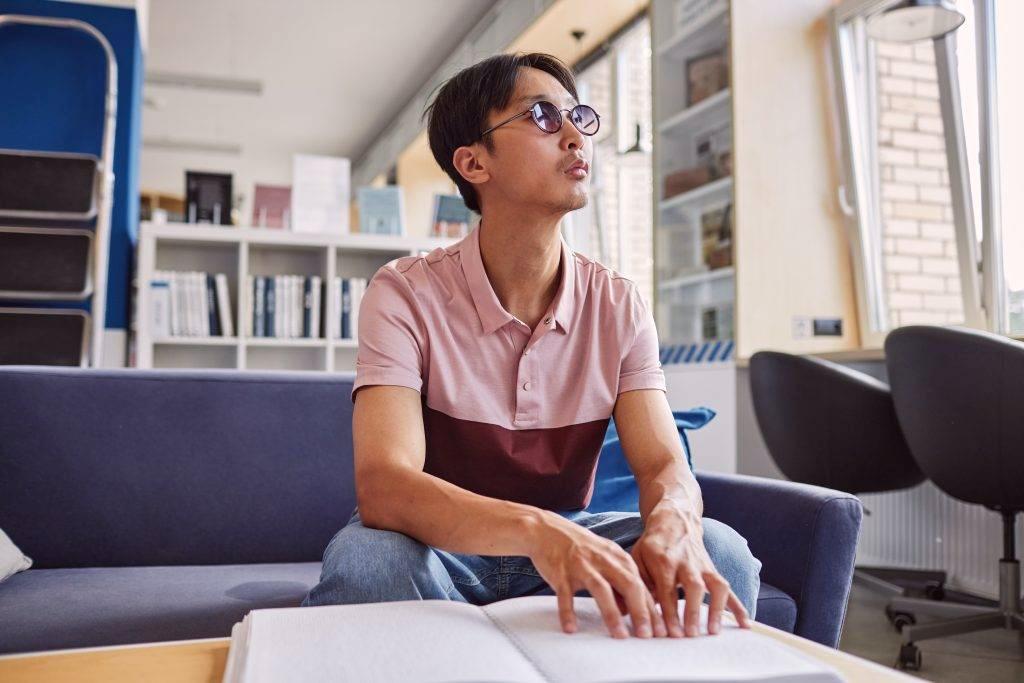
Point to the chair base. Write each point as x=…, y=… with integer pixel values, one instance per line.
x=891, y=581
x=965, y=618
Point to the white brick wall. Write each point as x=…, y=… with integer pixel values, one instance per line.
x=918, y=245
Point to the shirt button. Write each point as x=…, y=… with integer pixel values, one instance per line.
x=547, y=321
x=526, y=386
x=526, y=352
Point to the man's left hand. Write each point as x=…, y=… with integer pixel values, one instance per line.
x=671, y=553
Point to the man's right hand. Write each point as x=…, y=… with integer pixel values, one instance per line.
x=570, y=557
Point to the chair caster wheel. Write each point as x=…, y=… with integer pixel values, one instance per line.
x=899, y=619
x=910, y=658
x=935, y=591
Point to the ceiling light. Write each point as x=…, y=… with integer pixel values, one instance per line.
x=192, y=146
x=180, y=80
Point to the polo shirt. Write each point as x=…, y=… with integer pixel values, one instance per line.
x=509, y=412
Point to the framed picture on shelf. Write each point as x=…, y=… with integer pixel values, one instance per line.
x=451, y=216
x=716, y=237
x=321, y=193
x=709, y=324
x=380, y=210
x=271, y=206
x=716, y=322
x=208, y=197
x=706, y=74
x=714, y=150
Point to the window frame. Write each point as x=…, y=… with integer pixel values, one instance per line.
x=982, y=285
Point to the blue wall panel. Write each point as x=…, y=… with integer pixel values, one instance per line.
x=52, y=87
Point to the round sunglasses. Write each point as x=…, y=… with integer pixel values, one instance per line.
x=548, y=118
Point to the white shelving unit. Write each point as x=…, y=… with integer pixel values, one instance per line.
x=242, y=251
x=686, y=289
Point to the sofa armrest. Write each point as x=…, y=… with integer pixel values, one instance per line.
x=806, y=539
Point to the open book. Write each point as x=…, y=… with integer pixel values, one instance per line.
x=519, y=639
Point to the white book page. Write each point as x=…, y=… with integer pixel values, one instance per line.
x=591, y=655
x=430, y=640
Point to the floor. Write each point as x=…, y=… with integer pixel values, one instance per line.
x=989, y=656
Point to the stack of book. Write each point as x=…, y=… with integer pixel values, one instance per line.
x=348, y=291
x=284, y=306
x=190, y=304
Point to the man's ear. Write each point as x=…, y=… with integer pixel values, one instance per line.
x=470, y=166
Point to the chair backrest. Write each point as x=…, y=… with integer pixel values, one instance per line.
x=829, y=425
x=171, y=467
x=959, y=395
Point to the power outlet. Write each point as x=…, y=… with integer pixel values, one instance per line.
x=802, y=327
x=828, y=327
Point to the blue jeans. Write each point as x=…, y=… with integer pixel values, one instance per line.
x=373, y=565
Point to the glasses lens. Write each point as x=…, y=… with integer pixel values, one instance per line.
x=547, y=116
x=585, y=119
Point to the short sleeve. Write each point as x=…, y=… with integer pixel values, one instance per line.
x=641, y=366
x=391, y=340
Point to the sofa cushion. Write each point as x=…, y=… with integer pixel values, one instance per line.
x=133, y=468
x=46, y=609
x=775, y=608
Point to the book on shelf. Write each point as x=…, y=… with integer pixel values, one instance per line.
x=348, y=292
x=190, y=304
x=256, y=285
x=284, y=306
x=518, y=639
x=270, y=308
x=227, y=325
x=160, y=296
x=380, y=210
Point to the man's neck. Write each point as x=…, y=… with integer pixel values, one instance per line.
x=522, y=259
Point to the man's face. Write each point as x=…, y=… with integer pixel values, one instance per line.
x=530, y=167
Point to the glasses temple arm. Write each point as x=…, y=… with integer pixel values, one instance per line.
x=504, y=122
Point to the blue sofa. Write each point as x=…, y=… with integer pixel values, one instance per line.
x=165, y=504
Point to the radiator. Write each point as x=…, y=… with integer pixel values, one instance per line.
x=923, y=528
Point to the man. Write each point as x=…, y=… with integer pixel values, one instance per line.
x=486, y=375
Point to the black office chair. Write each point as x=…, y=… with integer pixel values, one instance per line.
x=832, y=426
x=959, y=397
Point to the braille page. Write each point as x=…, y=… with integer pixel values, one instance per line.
x=591, y=655
x=429, y=640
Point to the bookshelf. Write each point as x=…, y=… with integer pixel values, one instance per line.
x=785, y=258
x=694, y=300
x=242, y=251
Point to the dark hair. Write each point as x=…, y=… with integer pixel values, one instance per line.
x=458, y=114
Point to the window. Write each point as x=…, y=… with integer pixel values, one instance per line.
x=1008, y=52
x=615, y=227
x=918, y=194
